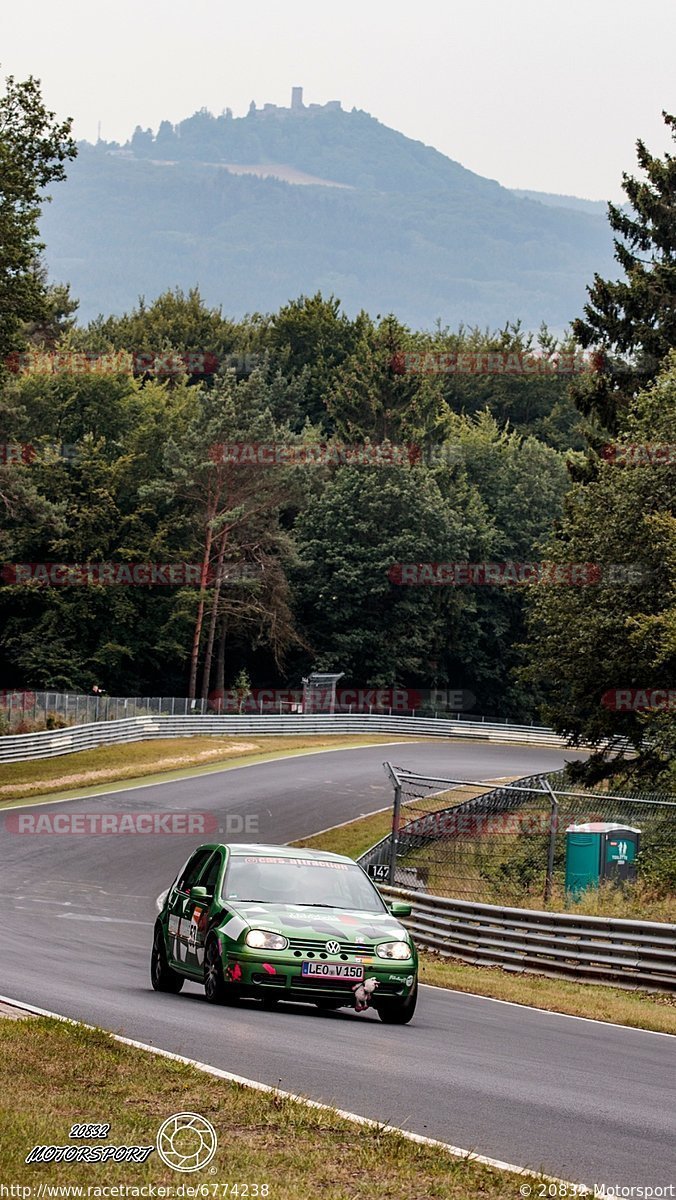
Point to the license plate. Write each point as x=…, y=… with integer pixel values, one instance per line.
x=322, y=970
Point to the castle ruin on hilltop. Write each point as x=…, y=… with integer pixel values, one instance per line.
x=296, y=106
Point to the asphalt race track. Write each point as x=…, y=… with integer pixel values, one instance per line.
x=578, y=1099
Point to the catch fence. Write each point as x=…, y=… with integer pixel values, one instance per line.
x=52, y=709
x=28, y=710
x=506, y=844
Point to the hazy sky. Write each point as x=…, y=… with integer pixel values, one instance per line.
x=532, y=93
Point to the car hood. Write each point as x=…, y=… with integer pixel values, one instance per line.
x=344, y=924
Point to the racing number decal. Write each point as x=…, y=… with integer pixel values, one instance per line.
x=194, y=927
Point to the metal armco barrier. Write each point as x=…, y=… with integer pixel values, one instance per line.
x=51, y=743
x=629, y=954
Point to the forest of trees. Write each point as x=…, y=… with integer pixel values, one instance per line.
x=113, y=438
x=139, y=483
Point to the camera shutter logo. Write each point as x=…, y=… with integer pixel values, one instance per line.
x=186, y=1142
x=333, y=947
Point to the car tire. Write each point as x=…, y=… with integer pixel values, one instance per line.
x=216, y=990
x=399, y=1012
x=162, y=977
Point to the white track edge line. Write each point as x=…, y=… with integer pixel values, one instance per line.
x=419, y=740
x=549, y=1012
x=355, y=1118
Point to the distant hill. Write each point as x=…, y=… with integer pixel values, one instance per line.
x=597, y=207
x=262, y=208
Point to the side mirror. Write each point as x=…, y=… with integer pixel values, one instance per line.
x=400, y=909
x=199, y=894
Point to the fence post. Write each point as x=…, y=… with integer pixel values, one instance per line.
x=553, y=827
x=394, y=838
x=396, y=816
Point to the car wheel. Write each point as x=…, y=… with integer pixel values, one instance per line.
x=162, y=977
x=399, y=1012
x=215, y=987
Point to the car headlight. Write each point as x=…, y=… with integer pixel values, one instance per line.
x=393, y=950
x=262, y=939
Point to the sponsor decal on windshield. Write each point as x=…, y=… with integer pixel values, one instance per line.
x=299, y=862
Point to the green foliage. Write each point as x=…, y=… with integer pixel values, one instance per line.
x=621, y=634
x=144, y=486
x=521, y=869
x=310, y=340
x=633, y=320
x=241, y=686
x=175, y=321
x=34, y=147
x=363, y=522
x=656, y=862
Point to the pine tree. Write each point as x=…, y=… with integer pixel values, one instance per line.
x=33, y=150
x=631, y=323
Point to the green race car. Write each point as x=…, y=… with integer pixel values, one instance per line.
x=284, y=924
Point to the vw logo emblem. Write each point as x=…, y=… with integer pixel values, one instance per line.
x=333, y=947
x=186, y=1142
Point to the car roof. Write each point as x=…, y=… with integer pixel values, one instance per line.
x=238, y=849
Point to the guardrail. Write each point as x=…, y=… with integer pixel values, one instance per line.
x=51, y=743
x=628, y=954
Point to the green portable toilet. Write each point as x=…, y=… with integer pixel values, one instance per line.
x=599, y=850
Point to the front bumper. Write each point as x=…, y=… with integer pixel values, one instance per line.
x=279, y=975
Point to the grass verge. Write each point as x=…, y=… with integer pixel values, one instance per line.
x=89, y=770
x=55, y=1075
x=355, y=837
x=640, y=1009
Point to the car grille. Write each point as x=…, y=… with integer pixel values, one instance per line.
x=318, y=946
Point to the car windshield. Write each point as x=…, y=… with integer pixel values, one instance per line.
x=317, y=883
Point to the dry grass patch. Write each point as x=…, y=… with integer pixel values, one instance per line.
x=134, y=760
x=56, y=1075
